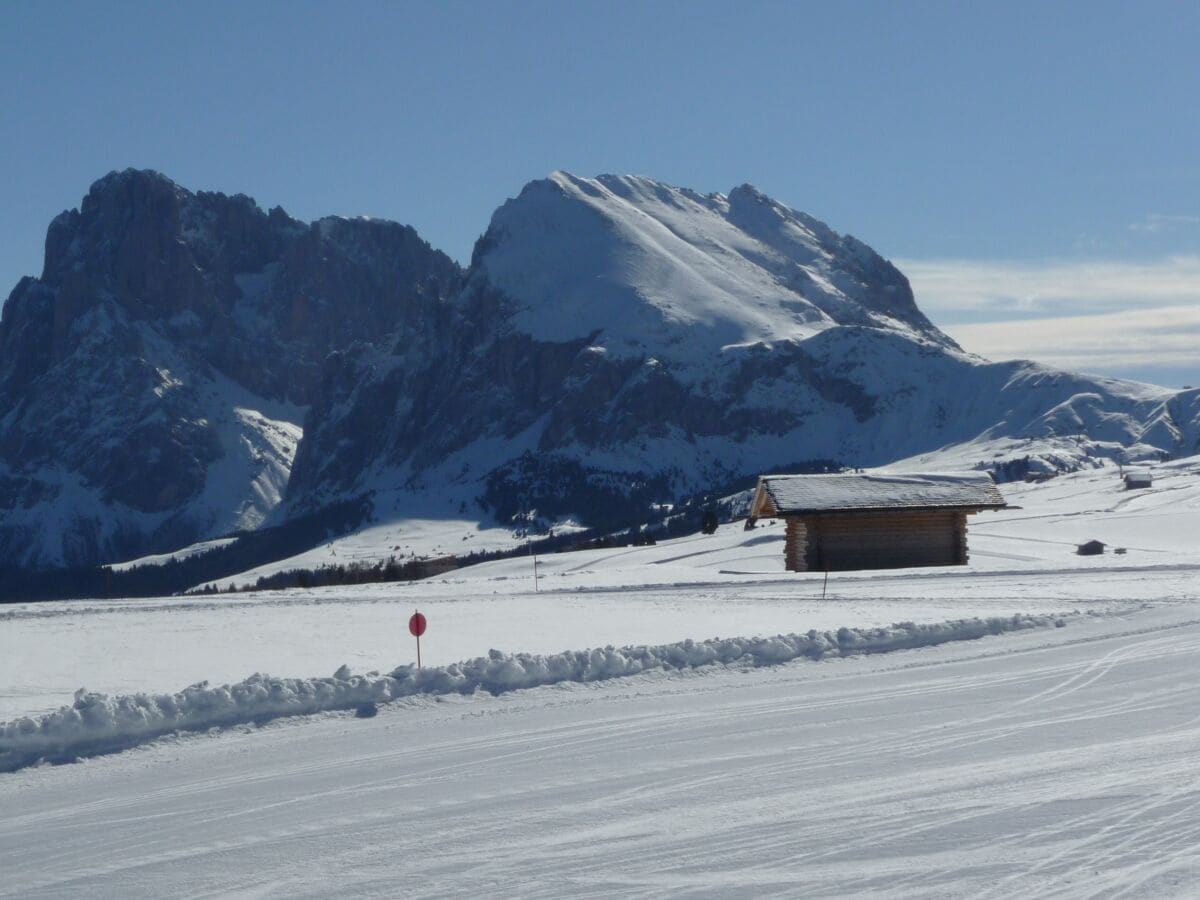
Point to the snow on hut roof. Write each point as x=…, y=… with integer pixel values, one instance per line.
x=879, y=490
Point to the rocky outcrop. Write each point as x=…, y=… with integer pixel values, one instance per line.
x=616, y=344
x=620, y=343
x=154, y=378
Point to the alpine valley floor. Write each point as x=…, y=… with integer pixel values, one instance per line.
x=1049, y=761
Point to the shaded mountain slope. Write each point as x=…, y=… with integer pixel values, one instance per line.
x=620, y=343
x=616, y=344
x=153, y=380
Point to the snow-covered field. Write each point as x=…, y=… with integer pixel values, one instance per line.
x=731, y=584
x=1045, y=761
x=1059, y=762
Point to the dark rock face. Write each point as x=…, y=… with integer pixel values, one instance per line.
x=583, y=427
x=218, y=271
x=161, y=317
x=580, y=429
x=617, y=344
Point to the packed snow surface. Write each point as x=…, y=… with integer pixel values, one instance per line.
x=95, y=723
x=1049, y=762
x=1045, y=761
x=731, y=584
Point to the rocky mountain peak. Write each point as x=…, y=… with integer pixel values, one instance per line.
x=153, y=380
x=656, y=269
x=617, y=344
x=621, y=342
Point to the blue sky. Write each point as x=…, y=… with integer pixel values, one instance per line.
x=1032, y=167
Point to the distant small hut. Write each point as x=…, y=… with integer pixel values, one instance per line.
x=874, y=521
x=1137, y=478
x=439, y=565
x=1090, y=548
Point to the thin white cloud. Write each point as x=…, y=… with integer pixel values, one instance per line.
x=1007, y=289
x=1155, y=223
x=1105, y=317
x=1158, y=338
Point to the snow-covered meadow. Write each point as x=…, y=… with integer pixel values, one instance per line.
x=1045, y=760
x=730, y=585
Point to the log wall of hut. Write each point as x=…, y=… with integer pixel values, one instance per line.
x=875, y=540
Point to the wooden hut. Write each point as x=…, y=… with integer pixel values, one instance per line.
x=874, y=521
x=1137, y=478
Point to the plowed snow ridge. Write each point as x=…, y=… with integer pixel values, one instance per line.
x=97, y=723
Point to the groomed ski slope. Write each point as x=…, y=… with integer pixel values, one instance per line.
x=96, y=723
x=1046, y=761
x=1058, y=762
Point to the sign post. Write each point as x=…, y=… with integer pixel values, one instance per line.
x=416, y=626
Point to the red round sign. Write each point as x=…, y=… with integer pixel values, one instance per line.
x=416, y=624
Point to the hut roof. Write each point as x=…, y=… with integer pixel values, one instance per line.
x=783, y=494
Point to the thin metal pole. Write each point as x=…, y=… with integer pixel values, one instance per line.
x=535, y=583
x=825, y=585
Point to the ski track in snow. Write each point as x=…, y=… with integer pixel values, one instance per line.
x=1056, y=763
x=96, y=723
x=1048, y=762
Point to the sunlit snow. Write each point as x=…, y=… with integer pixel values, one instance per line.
x=1044, y=761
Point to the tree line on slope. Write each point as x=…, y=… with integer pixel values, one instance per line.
x=689, y=515
x=248, y=551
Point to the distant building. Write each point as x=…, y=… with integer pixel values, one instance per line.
x=439, y=565
x=874, y=521
x=1091, y=548
x=1137, y=478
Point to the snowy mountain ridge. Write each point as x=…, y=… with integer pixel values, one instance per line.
x=616, y=344
x=620, y=343
x=154, y=379
x=657, y=270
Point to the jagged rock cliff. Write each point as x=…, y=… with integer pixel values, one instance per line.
x=620, y=342
x=153, y=380
x=615, y=344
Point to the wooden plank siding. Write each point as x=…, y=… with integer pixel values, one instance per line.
x=818, y=542
x=795, y=548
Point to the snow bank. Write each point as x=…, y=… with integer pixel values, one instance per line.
x=96, y=723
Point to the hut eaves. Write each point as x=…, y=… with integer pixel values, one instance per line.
x=779, y=495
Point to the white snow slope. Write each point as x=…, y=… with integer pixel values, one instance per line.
x=1044, y=762
x=97, y=723
x=731, y=584
x=643, y=262
x=1053, y=763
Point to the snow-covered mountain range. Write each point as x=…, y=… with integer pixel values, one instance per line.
x=620, y=342
x=616, y=343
